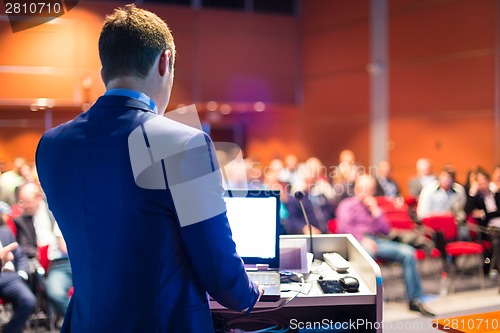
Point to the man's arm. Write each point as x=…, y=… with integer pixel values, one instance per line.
x=195, y=181
x=21, y=262
x=423, y=207
x=26, y=242
x=61, y=243
x=6, y=252
x=217, y=265
x=345, y=220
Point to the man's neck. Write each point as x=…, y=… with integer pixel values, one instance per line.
x=127, y=82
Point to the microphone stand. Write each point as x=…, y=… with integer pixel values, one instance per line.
x=300, y=196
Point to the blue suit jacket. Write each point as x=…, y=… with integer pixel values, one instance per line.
x=135, y=269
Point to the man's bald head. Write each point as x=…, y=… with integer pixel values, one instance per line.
x=30, y=195
x=365, y=186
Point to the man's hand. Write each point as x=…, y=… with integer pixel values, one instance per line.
x=261, y=291
x=370, y=245
x=371, y=203
x=314, y=230
x=478, y=214
x=6, y=252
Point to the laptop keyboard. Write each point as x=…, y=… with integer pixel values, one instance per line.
x=265, y=279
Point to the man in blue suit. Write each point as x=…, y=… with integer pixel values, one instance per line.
x=138, y=198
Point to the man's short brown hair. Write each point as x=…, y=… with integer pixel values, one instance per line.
x=131, y=40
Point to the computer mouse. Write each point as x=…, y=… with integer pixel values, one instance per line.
x=288, y=277
x=349, y=283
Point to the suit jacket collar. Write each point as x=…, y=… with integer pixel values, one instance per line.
x=114, y=101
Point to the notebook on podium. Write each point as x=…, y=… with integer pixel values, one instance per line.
x=255, y=223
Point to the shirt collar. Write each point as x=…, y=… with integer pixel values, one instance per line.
x=452, y=189
x=133, y=94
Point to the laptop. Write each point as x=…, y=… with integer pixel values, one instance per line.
x=255, y=224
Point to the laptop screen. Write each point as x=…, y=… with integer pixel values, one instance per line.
x=255, y=223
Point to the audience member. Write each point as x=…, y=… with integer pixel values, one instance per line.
x=484, y=207
x=423, y=177
x=233, y=167
x=254, y=173
x=28, y=173
x=37, y=227
x=360, y=216
x=347, y=157
x=444, y=196
x=319, y=172
x=4, y=212
x=344, y=177
x=470, y=181
x=289, y=172
x=495, y=179
x=10, y=180
x=13, y=287
x=6, y=253
x=272, y=182
x=386, y=185
x=316, y=205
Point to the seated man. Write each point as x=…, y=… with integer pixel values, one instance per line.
x=13, y=287
x=37, y=227
x=360, y=216
x=423, y=177
x=445, y=196
x=386, y=185
x=318, y=208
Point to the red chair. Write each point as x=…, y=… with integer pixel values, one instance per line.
x=332, y=226
x=16, y=211
x=389, y=203
x=401, y=222
x=475, y=231
x=43, y=257
x=398, y=216
x=411, y=201
x=446, y=225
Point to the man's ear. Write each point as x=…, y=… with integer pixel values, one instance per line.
x=163, y=63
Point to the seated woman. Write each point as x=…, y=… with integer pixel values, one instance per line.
x=483, y=205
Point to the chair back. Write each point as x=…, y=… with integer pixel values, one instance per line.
x=444, y=223
x=332, y=226
x=43, y=257
x=396, y=214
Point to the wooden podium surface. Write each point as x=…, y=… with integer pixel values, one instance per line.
x=488, y=322
x=309, y=305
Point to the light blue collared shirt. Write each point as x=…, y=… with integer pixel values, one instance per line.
x=133, y=94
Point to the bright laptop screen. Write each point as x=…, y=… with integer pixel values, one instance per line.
x=255, y=223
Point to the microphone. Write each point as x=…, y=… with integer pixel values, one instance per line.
x=300, y=196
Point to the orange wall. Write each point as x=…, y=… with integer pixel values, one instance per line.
x=225, y=56
x=441, y=82
x=335, y=51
